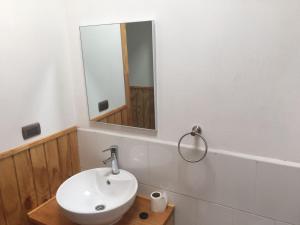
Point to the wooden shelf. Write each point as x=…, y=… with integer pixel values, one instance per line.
x=49, y=214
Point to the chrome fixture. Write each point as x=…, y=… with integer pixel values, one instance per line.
x=196, y=131
x=113, y=158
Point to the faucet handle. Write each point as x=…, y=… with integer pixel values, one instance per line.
x=113, y=149
x=106, y=150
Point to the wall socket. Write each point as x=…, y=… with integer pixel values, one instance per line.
x=31, y=130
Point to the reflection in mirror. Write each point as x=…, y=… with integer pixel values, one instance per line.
x=119, y=73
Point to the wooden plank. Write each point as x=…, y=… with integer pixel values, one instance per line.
x=111, y=119
x=171, y=220
x=143, y=115
x=74, y=152
x=25, y=180
x=125, y=117
x=133, y=107
x=126, y=67
x=64, y=157
x=27, y=146
x=48, y=214
x=140, y=107
x=146, y=108
x=2, y=215
x=118, y=118
x=9, y=193
x=40, y=173
x=143, y=87
x=152, y=110
x=52, y=160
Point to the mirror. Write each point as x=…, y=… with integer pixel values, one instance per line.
x=119, y=72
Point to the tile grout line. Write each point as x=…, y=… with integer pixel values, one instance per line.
x=217, y=203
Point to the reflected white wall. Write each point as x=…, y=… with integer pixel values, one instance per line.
x=103, y=64
x=140, y=53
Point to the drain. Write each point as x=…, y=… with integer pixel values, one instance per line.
x=100, y=207
x=108, y=182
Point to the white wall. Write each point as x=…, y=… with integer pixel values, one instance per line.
x=103, y=64
x=232, y=67
x=34, y=69
x=140, y=53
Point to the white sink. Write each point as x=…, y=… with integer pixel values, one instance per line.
x=96, y=196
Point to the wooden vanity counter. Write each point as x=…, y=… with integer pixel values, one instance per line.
x=49, y=214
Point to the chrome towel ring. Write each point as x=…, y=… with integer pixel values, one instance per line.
x=196, y=131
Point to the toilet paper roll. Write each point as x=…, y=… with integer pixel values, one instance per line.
x=159, y=201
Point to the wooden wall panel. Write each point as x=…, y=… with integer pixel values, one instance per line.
x=40, y=174
x=2, y=215
x=54, y=171
x=142, y=107
x=74, y=152
x=25, y=180
x=118, y=118
x=111, y=119
x=146, y=109
x=64, y=152
x=124, y=115
x=10, y=193
x=141, y=113
x=31, y=173
x=152, y=110
x=133, y=112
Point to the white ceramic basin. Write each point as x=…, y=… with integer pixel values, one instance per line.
x=96, y=196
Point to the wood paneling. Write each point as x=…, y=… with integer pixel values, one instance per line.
x=40, y=173
x=141, y=111
x=10, y=193
x=142, y=107
x=64, y=156
x=124, y=117
x=31, y=173
x=54, y=172
x=2, y=216
x=25, y=180
x=118, y=118
x=133, y=112
x=74, y=152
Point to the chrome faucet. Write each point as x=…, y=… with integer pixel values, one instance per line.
x=113, y=159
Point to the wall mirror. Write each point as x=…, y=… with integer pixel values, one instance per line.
x=119, y=72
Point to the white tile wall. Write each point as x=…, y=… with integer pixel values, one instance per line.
x=224, y=189
x=280, y=223
x=213, y=214
x=198, y=179
x=133, y=156
x=278, y=192
x=235, y=182
x=242, y=218
x=163, y=158
x=91, y=145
